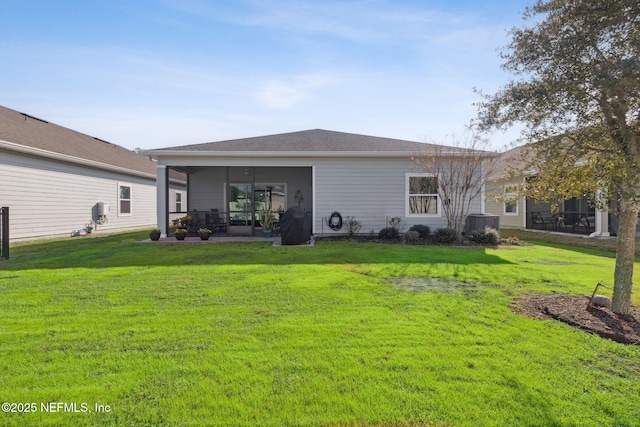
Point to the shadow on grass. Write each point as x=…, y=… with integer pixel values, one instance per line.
x=128, y=250
x=582, y=245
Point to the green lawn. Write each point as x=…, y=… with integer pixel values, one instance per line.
x=340, y=334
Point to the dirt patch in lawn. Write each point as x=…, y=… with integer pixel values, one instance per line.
x=573, y=311
x=433, y=284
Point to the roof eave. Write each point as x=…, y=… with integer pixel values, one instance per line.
x=295, y=154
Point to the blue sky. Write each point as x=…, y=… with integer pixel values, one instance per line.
x=159, y=73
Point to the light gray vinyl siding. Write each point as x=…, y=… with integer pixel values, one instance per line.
x=51, y=198
x=371, y=190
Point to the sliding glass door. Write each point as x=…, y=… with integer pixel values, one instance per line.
x=241, y=210
x=270, y=196
x=246, y=200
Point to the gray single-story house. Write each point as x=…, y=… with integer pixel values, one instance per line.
x=573, y=215
x=58, y=182
x=372, y=179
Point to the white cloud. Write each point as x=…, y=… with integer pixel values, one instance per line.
x=375, y=21
x=278, y=94
x=282, y=94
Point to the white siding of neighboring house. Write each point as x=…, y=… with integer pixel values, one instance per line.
x=50, y=198
x=172, y=198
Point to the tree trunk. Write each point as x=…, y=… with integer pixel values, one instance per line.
x=625, y=257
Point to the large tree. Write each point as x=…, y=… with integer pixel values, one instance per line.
x=576, y=86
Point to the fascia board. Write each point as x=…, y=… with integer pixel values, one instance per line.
x=295, y=154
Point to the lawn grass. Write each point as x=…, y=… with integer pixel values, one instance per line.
x=607, y=244
x=340, y=334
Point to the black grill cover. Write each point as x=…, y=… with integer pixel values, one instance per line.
x=295, y=227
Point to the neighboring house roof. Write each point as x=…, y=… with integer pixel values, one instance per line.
x=521, y=160
x=316, y=142
x=511, y=161
x=27, y=134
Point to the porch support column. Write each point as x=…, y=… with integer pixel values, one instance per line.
x=602, y=220
x=162, y=197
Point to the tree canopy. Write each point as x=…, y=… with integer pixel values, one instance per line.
x=576, y=86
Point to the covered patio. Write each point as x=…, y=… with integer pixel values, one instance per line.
x=228, y=199
x=573, y=216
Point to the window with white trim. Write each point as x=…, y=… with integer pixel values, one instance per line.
x=178, y=201
x=124, y=199
x=510, y=201
x=422, y=195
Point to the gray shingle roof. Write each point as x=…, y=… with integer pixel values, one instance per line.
x=316, y=140
x=23, y=129
x=518, y=161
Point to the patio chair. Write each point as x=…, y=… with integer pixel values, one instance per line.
x=577, y=220
x=538, y=219
x=216, y=222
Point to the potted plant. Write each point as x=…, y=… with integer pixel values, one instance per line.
x=204, y=233
x=267, y=220
x=181, y=233
x=185, y=221
x=154, y=235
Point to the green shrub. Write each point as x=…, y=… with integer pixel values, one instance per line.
x=397, y=223
x=389, y=233
x=485, y=238
x=423, y=230
x=411, y=236
x=447, y=235
x=352, y=225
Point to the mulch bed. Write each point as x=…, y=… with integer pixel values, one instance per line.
x=573, y=311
